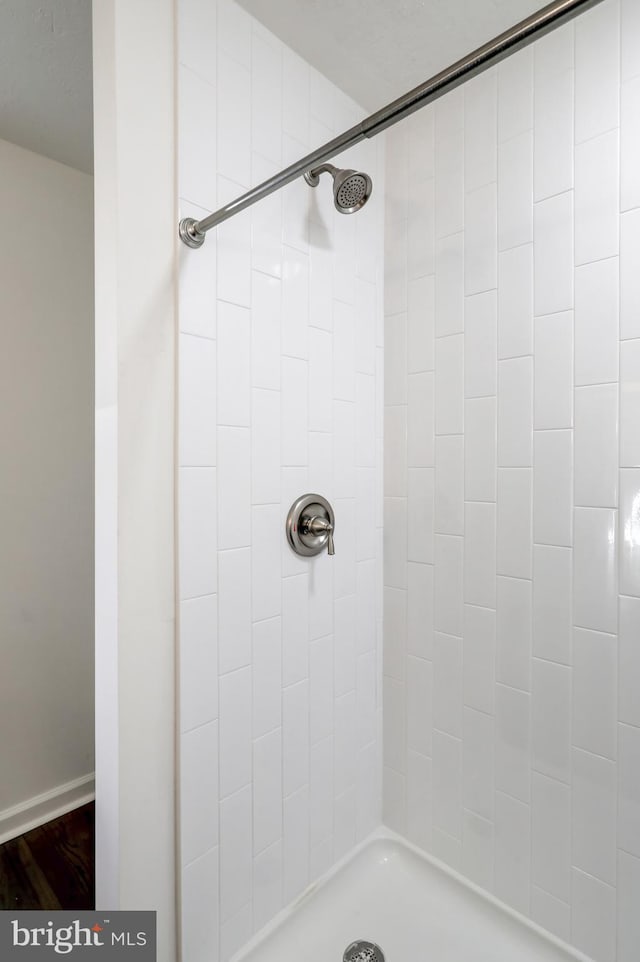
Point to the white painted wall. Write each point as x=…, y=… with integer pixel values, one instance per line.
x=135, y=236
x=46, y=506
x=512, y=564
x=280, y=393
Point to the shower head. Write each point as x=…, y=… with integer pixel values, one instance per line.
x=351, y=188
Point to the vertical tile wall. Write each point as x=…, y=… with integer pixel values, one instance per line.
x=280, y=393
x=512, y=481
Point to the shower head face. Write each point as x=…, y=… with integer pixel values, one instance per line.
x=351, y=190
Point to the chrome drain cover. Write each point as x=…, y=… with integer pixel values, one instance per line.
x=362, y=951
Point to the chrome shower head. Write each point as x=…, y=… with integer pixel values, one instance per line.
x=351, y=188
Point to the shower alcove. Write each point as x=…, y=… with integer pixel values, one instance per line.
x=455, y=368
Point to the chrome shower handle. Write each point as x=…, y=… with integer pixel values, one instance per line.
x=319, y=526
x=310, y=526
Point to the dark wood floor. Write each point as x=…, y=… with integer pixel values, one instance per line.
x=51, y=867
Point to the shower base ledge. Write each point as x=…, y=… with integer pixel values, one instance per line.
x=414, y=907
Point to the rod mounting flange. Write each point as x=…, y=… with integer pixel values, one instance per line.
x=189, y=233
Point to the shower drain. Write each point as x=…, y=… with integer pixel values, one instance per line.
x=362, y=951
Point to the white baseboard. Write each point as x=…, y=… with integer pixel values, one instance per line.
x=36, y=811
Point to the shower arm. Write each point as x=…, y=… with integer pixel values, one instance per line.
x=312, y=177
x=192, y=232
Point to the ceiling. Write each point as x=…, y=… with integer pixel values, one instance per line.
x=377, y=50
x=46, y=83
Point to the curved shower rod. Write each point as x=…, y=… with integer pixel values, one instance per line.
x=192, y=232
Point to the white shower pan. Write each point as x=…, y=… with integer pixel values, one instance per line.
x=413, y=907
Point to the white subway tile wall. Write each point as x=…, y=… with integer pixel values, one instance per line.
x=280, y=392
x=512, y=747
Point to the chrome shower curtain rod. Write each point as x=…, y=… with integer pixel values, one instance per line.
x=193, y=232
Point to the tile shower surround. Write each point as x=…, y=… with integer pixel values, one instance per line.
x=512, y=481
x=511, y=728
x=280, y=393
